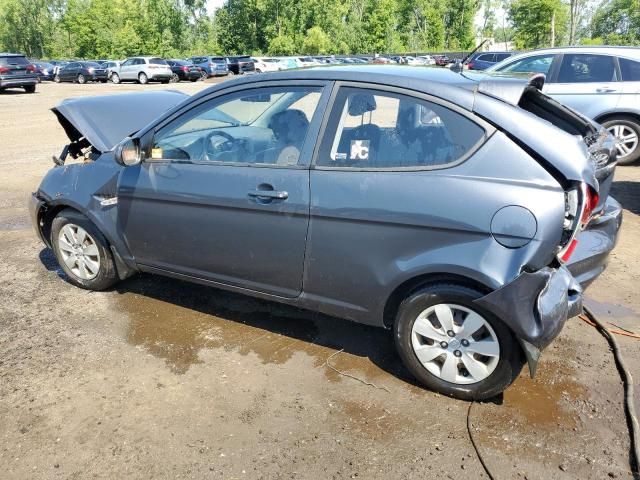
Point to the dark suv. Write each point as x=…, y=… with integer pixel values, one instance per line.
x=240, y=64
x=17, y=72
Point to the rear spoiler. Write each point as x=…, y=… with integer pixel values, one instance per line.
x=509, y=88
x=527, y=94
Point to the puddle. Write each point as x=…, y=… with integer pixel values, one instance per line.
x=540, y=401
x=175, y=320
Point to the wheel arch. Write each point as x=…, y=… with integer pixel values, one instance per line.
x=410, y=285
x=618, y=113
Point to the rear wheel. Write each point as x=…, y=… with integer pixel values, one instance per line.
x=81, y=79
x=454, y=347
x=30, y=88
x=626, y=131
x=82, y=251
x=175, y=78
x=142, y=78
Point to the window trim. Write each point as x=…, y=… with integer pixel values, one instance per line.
x=616, y=69
x=489, y=129
x=310, y=142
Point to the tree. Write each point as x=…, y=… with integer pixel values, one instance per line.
x=618, y=22
x=316, y=42
x=537, y=23
x=282, y=45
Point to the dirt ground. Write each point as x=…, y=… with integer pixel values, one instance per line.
x=164, y=379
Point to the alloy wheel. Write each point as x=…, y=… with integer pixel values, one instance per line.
x=115, y=78
x=626, y=139
x=81, y=79
x=79, y=251
x=455, y=344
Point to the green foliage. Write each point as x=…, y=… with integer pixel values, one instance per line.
x=618, y=22
x=174, y=28
x=316, y=42
x=538, y=23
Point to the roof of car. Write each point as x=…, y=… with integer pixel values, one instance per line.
x=458, y=88
x=6, y=54
x=632, y=52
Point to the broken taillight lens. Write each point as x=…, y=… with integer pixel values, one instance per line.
x=579, y=205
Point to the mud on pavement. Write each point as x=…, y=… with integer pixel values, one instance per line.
x=163, y=379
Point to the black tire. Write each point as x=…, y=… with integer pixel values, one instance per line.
x=511, y=358
x=81, y=79
x=142, y=78
x=633, y=124
x=175, y=78
x=115, y=78
x=56, y=79
x=107, y=275
x=30, y=88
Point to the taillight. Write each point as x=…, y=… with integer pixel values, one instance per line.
x=591, y=201
x=184, y=68
x=31, y=68
x=470, y=65
x=4, y=70
x=579, y=204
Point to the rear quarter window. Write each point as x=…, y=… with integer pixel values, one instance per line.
x=158, y=61
x=630, y=70
x=370, y=129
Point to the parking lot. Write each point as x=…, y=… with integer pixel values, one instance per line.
x=164, y=379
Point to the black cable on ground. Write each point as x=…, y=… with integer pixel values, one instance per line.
x=473, y=442
x=627, y=379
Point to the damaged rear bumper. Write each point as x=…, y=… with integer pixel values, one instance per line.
x=536, y=319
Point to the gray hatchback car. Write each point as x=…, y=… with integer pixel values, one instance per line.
x=465, y=214
x=602, y=83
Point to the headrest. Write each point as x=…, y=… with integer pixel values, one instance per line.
x=361, y=103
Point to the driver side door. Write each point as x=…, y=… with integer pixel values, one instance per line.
x=213, y=201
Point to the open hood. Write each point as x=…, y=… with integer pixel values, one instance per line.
x=105, y=120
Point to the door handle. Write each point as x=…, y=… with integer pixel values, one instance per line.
x=273, y=194
x=605, y=90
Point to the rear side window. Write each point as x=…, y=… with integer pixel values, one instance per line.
x=372, y=129
x=13, y=61
x=158, y=61
x=501, y=56
x=487, y=57
x=581, y=68
x=535, y=64
x=630, y=70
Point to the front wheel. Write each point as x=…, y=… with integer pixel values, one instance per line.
x=626, y=131
x=174, y=78
x=452, y=346
x=82, y=251
x=56, y=78
x=115, y=78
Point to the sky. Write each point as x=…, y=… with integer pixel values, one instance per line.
x=213, y=4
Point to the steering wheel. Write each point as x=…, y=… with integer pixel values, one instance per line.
x=206, y=143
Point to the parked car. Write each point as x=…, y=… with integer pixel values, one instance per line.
x=143, y=70
x=183, y=70
x=212, y=66
x=44, y=71
x=442, y=60
x=387, y=191
x=267, y=64
x=484, y=60
x=81, y=72
x=241, y=64
x=17, y=72
x=57, y=65
x=290, y=62
x=602, y=83
x=427, y=59
x=111, y=66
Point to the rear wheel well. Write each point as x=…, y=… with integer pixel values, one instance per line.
x=409, y=286
x=609, y=116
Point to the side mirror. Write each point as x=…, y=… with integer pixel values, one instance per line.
x=127, y=152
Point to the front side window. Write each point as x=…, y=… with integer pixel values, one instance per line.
x=535, y=64
x=126, y=63
x=630, y=70
x=257, y=126
x=585, y=68
x=487, y=57
x=373, y=129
